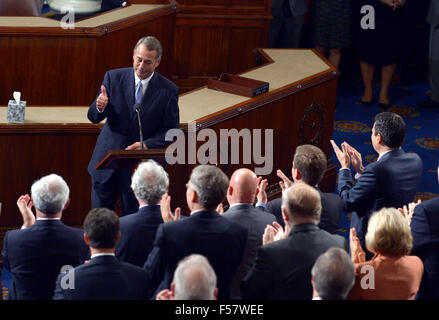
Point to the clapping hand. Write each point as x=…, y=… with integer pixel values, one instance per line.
x=25, y=204
x=165, y=209
x=356, y=159
x=285, y=183
x=275, y=233
x=220, y=208
x=357, y=253
x=398, y=3
x=165, y=294
x=262, y=194
x=342, y=155
x=408, y=210
x=395, y=4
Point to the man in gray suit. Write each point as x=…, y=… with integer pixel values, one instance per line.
x=433, y=20
x=241, y=194
x=283, y=268
x=286, y=26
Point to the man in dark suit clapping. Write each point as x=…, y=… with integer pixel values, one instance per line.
x=241, y=194
x=205, y=232
x=309, y=166
x=283, y=267
x=390, y=182
x=38, y=252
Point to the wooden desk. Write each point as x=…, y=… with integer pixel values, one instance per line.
x=52, y=140
x=299, y=107
x=55, y=66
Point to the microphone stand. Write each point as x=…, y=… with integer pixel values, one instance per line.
x=138, y=108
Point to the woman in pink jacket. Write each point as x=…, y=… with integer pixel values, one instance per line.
x=391, y=274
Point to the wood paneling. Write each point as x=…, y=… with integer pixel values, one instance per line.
x=217, y=36
x=28, y=152
x=53, y=66
x=205, y=48
x=300, y=112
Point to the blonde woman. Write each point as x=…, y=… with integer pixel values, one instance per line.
x=391, y=274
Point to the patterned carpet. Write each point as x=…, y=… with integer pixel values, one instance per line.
x=353, y=124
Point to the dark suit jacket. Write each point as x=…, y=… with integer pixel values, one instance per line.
x=159, y=114
x=425, y=232
x=138, y=232
x=390, y=182
x=297, y=7
x=433, y=13
x=254, y=221
x=105, y=278
x=332, y=208
x=111, y=4
x=207, y=233
x=35, y=256
x=283, y=268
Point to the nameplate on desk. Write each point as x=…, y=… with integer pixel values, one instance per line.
x=238, y=85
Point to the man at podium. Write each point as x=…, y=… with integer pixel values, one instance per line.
x=125, y=95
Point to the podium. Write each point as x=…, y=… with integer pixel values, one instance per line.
x=118, y=159
x=129, y=159
x=299, y=108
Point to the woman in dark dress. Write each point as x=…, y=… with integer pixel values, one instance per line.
x=331, y=28
x=379, y=45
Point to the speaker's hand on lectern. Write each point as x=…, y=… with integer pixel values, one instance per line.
x=102, y=100
x=136, y=146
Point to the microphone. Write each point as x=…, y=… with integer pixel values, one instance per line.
x=138, y=109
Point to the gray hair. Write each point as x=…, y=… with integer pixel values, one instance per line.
x=150, y=182
x=151, y=43
x=50, y=194
x=194, y=279
x=333, y=274
x=210, y=183
x=302, y=200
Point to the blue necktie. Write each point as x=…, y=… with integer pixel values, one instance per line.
x=139, y=93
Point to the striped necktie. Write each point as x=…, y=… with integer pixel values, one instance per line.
x=139, y=93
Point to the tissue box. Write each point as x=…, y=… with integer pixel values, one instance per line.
x=16, y=111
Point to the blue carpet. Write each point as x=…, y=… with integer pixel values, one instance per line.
x=6, y=281
x=353, y=124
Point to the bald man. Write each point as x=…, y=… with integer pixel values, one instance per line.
x=241, y=194
x=194, y=279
